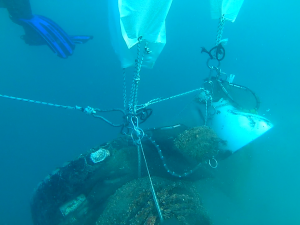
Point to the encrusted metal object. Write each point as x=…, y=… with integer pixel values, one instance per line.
x=200, y=143
x=72, y=205
x=133, y=204
x=99, y=155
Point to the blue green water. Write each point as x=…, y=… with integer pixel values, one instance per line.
x=259, y=185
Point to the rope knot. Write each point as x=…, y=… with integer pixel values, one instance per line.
x=89, y=110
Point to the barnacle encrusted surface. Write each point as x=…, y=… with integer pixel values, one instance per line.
x=133, y=204
x=200, y=143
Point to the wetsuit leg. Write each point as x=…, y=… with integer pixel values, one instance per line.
x=18, y=8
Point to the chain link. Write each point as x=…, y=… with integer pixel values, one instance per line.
x=124, y=89
x=165, y=164
x=136, y=78
x=220, y=29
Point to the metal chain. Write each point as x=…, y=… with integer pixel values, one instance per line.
x=207, y=98
x=136, y=78
x=165, y=164
x=137, y=133
x=124, y=89
x=220, y=29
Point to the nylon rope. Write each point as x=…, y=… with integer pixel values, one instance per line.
x=137, y=133
x=158, y=100
x=151, y=186
x=136, y=78
x=42, y=103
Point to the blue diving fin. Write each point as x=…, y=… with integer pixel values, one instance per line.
x=51, y=34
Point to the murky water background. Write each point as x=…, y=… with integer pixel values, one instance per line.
x=258, y=185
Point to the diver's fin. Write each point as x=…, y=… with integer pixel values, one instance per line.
x=204, y=50
x=54, y=36
x=80, y=39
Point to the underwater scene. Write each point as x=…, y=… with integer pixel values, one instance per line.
x=139, y=112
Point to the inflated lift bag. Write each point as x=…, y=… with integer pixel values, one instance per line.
x=131, y=19
x=235, y=127
x=228, y=8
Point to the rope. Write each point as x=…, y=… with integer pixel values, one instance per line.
x=158, y=100
x=151, y=186
x=88, y=109
x=139, y=162
x=137, y=135
x=206, y=113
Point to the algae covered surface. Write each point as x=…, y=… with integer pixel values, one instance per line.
x=200, y=143
x=133, y=204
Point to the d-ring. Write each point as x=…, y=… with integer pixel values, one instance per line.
x=215, y=162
